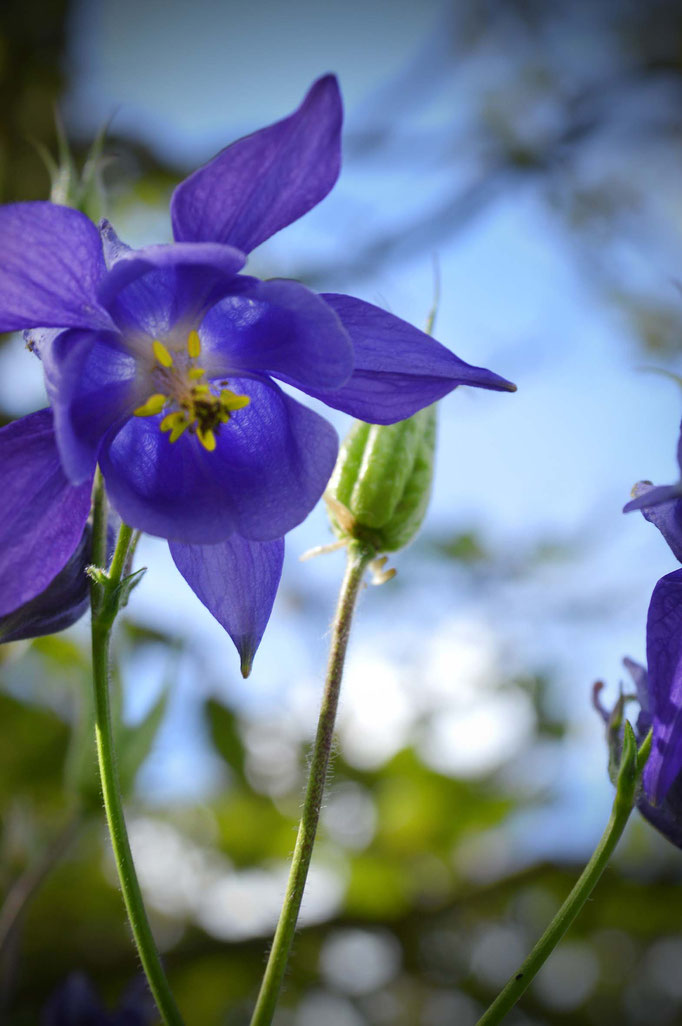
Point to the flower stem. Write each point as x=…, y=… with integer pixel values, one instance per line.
x=358, y=558
x=104, y=595
x=632, y=764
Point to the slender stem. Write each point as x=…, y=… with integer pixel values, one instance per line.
x=357, y=561
x=120, y=556
x=623, y=805
x=104, y=609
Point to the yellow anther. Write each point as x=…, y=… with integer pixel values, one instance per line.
x=162, y=354
x=193, y=344
x=177, y=423
x=173, y=420
x=154, y=405
x=231, y=401
x=178, y=430
x=207, y=439
x=191, y=403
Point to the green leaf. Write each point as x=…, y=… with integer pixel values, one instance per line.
x=36, y=754
x=135, y=742
x=226, y=737
x=127, y=585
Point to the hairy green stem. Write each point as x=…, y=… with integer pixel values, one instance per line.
x=632, y=764
x=104, y=594
x=358, y=558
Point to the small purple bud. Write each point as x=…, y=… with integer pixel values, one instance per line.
x=76, y=1003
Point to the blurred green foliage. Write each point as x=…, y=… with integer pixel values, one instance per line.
x=32, y=41
x=421, y=926
x=427, y=916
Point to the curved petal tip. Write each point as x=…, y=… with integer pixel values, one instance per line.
x=246, y=646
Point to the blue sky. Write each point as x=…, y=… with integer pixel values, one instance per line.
x=556, y=460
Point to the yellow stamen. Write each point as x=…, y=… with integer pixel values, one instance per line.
x=173, y=420
x=191, y=404
x=193, y=344
x=154, y=405
x=207, y=439
x=177, y=423
x=231, y=401
x=162, y=354
x=178, y=430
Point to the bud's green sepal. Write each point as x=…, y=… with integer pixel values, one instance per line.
x=379, y=491
x=83, y=190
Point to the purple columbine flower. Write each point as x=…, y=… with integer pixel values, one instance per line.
x=162, y=363
x=666, y=813
x=660, y=686
x=661, y=505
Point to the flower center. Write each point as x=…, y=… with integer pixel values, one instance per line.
x=187, y=396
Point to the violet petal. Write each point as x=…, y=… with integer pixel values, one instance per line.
x=398, y=369
x=270, y=466
x=237, y=581
x=666, y=516
x=652, y=495
x=42, y=516
x=155, y=288
x=93, y=385
x=266, y=180
x=51, y=266
x=664, y=661
x=278, y=327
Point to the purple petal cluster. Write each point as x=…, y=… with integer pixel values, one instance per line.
x=659, y=687
x=76, y=1003
x=163, y=365
x=666, y=813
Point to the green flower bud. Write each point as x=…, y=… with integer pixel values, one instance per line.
x=380, y=488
